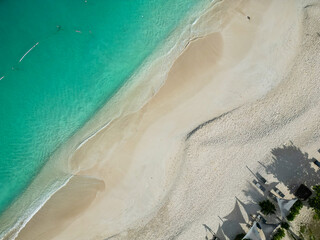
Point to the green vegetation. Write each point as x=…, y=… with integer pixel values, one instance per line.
x=279, y=234
x=239, y=236
x=310, y=231
x=295, y=210
x=267, y=207
x=285, y=225
x=315, y=202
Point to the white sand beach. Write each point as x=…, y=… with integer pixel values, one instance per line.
x=232, y=99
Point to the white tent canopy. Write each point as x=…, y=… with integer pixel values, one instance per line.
x=253, y=233
x=267, y=229
x=285, y=206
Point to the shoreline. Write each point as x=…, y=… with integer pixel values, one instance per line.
x=229, y=58
x=70, y=148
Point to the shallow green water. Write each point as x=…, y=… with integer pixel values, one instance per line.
x=85, y=52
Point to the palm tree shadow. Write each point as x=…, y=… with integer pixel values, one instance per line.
x=292, y=167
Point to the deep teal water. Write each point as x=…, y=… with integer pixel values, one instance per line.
x=69, y=75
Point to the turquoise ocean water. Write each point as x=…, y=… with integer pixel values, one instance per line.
x=81, y=53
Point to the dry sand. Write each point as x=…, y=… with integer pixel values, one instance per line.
x=179, y=162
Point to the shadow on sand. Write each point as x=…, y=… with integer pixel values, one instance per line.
x=291, y=167
x=233, y=223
